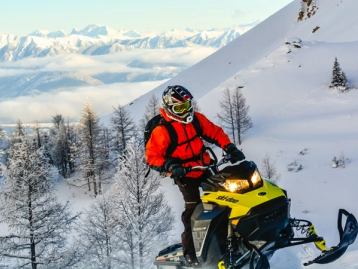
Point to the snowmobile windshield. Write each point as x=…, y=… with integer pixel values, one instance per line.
x=241, y=178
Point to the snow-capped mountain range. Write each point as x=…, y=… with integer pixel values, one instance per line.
x=101, y=40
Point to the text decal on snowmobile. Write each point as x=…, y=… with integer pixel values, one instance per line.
x=227, y=199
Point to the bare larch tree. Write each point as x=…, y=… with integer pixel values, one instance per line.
x=146, y=218
x=234, y=114
x=123, y=128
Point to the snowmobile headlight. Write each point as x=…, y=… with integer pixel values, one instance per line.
x=256, y=179
x=236, y=185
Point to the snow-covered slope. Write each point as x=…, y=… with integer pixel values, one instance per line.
x=297, y=117
x=100, y=40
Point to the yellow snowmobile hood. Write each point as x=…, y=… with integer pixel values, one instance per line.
x=241, y=204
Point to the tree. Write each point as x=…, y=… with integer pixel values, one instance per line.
x=89, y=133
x=37, y=223
x=269, y=170
x=57, y=121
x=234, y=114
x=3, y=144
x=18, y=133
x=227, y=114
x=146, y=219
x=37, y=138
x=151, y=110
x=123, y=128
x=60, y=152
x=99, y=236
x=3, y=149
x=339, y=79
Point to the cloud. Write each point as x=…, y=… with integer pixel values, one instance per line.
x=148, y=66
x=70, y=102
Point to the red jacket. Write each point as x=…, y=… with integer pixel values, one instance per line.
x=190, y=145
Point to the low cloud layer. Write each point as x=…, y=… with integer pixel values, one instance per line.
x=70, y=102
x=144, y=69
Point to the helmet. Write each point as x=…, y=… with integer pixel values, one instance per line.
x=177, y=103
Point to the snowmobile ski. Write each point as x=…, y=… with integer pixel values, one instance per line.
x=347, y=237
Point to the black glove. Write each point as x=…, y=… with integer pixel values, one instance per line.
x=235, y=154
x=176, y=169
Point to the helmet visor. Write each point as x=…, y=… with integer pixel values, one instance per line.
x=182, y=107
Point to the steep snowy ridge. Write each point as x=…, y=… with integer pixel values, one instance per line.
x=99, y=40
x=239, y=54
x=292, y=108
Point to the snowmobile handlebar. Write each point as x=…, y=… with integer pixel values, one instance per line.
x=213, y=168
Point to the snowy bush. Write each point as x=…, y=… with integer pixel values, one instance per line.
x=294, y=166
x=341, y=161
x=303, y=152
x=268, y=169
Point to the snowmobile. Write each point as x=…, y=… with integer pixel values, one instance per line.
x=243, y=219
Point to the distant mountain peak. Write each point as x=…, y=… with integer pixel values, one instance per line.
x=101, y=39
x=94, y=30
x=49, y=34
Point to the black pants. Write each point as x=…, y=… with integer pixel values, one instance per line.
x=190, y=190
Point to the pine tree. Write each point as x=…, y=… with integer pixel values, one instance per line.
x=123, y=128
x=339, y=79
x=145, y=217
x=37, y=223
x=234, y=114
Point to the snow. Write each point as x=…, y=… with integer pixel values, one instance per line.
x=101, y=39
x=293, y=109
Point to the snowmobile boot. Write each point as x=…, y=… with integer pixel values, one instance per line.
x=192, y=260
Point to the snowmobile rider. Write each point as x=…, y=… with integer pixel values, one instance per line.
x=168, y=156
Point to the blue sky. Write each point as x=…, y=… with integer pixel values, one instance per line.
x=24, y=16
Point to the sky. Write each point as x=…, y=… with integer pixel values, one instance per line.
x=24, y=16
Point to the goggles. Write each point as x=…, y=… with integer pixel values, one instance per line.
x=182, y=107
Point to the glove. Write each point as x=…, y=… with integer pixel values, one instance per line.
x=175, y=169
x=235, y=154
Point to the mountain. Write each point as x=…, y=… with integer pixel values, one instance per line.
x=284, y=67
x=101, y=40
